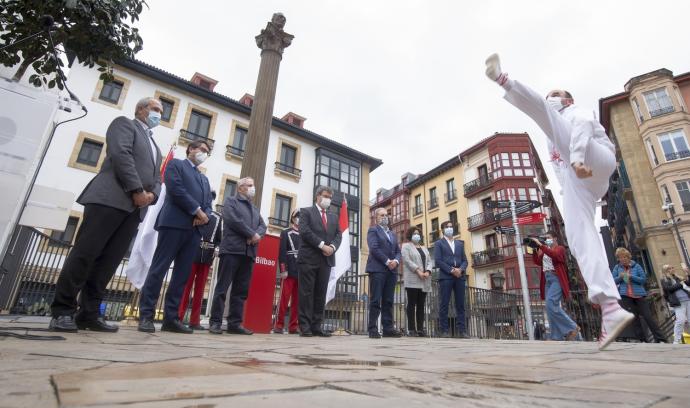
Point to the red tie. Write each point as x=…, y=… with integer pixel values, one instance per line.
x=323, y=218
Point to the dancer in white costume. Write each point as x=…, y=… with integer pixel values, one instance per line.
x=584, y=158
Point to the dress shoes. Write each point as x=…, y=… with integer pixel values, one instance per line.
x=374, y=335
x=444, y=335
x=146, y=325
x=293, y=332
x=392, y=333
x=196, y=327
x=215, y=328
x=421, y=333
x=98, y=325
x=306, y=334
x=239, y=330
x=321, y=333
x=462, y=335
x=176, y=326
x=63, y=324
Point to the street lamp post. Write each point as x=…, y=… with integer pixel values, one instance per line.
x=669, y=207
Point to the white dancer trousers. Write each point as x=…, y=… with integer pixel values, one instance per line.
x=579, y=195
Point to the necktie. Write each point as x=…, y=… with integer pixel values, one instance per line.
x=323, y=218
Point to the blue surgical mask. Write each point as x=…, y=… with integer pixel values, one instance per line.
x=448, y=232
x=416, y=238
x=549, y=242
x=154, y=119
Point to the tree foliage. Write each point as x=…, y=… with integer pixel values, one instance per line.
x=96, y=32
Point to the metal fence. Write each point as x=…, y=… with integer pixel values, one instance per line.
x=29, y=272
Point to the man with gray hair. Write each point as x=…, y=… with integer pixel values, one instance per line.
x=115, y=202
x=243, y=229
x=320, y=233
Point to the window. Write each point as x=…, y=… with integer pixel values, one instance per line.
x=339, y=174
x=665, y=196
x=111, y=92
x=288, y=155
x=658, y=102
x=281, y=214
x=433, y=198
x=199, y=124
x=353, y=217
x=684, y=193
x=491, y=241
x=453, y=218
x=522, y=194
x=167, y=109
x=636, y=107
x=417, y=204
x=516, y=164
x=90, y=152
x=239, y=142
x=652, y=152
x=510, y=278
x=67, y=235
x=450, y=188
x=485, y=204
x=674, y=145
x=434, y=233
x=230, y=189
x=483, y=172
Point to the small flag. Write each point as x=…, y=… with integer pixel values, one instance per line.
x=343, y=259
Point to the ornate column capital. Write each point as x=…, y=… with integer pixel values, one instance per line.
x=273, y=38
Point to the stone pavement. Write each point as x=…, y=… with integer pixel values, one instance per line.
x=201, y=370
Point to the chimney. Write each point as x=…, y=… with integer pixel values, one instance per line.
x=247, y=100
x=203, y=81
x=294, y=119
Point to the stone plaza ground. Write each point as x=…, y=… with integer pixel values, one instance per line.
x=201, y=370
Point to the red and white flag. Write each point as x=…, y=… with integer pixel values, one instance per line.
x=145, y=243
x=343, y=260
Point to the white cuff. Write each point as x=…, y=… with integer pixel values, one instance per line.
x=321, y=244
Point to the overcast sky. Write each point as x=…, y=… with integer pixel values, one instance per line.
x=404, y=81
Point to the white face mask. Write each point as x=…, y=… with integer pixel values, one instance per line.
x=448, y=232
x=251, y=191
x=555, y=102
x=200, y=157
x=296, y=221
x=325, y=203
x=416, y=238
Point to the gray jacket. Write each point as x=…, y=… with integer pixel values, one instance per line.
x=241, y=220
x=411, y=260
x=128, y=165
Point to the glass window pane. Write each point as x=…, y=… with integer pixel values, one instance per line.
x=518, y=172
x=508, y=172
x=90, y=152
x=529, y=172
x=679, y=141
x=167, y=109
x=240, y=140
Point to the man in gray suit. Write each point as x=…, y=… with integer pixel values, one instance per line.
x=115, y=202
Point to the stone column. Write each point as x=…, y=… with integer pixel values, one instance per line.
x=272, y=41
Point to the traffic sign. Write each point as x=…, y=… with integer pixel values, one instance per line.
x=493, y=204
x=505, y=230
x=530, y=218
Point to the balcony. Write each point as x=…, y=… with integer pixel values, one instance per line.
x=188, y=137
x=686, y=207
x=234, y=151
x=278, y=222
x=683, y=154
x=661, y=111
x=433, y=203
x=433, y=237
x=481, y=219
x=292, y=171
x=451, y=196
x=478, y=184
x=492, y=255
x=417, y=209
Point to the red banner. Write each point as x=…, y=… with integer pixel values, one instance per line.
x=258, y=309
x=530, y=218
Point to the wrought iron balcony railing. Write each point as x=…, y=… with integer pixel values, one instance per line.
x=278, y=222
x=492, y=255
x=451, y=195
x=433, y=203
x=480, y=219
x=478, y=184
x=189, y=137
x=661, y=111
x=235, y=151
x=288, y=169
x=683, y=154
x=417, y=209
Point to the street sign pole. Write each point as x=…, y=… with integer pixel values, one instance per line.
x=523, y=272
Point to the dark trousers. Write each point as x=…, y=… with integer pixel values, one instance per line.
x=235, y=270
x=102, y=241
x=381, y=292
x=179, y=245
x=457, y=287
x=415, y=309
x=640, y=308
x=197, y=278
x=312, y=284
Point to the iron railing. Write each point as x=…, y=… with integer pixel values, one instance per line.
x=417, y=209
x=187, y=136
x=434, y=236
x=661, y=111
x=683, y=154
x=288, y=169
x=492, y=255
x=235, y=151
x=278, y=222
x=433, y=203
x=477, y=184
x=686, y=207
x=451, y=195
x=481, y=219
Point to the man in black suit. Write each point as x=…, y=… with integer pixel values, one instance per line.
x=321, y=237
x=187, y=205
x=115, y=202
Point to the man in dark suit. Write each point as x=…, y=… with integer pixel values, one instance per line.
x=449, y=255
x=243, y=230
x=321, y=237
x=187, y=205
x=382, y=267
x=115, y=202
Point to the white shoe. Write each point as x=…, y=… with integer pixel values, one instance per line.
x=613, y=320
x=493, y=67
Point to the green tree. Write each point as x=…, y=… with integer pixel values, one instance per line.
x=96, y=32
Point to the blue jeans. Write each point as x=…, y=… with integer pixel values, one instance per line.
x=560, y=323
x=381, y=292
x=457, y=286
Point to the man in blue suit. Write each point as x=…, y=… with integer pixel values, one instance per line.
x=187, y=203
x=449, y=255
x=382, y=265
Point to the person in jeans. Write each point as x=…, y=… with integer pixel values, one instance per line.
x=554, y=287
x=677, y=293
x=630, y=278
x=416, y=267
